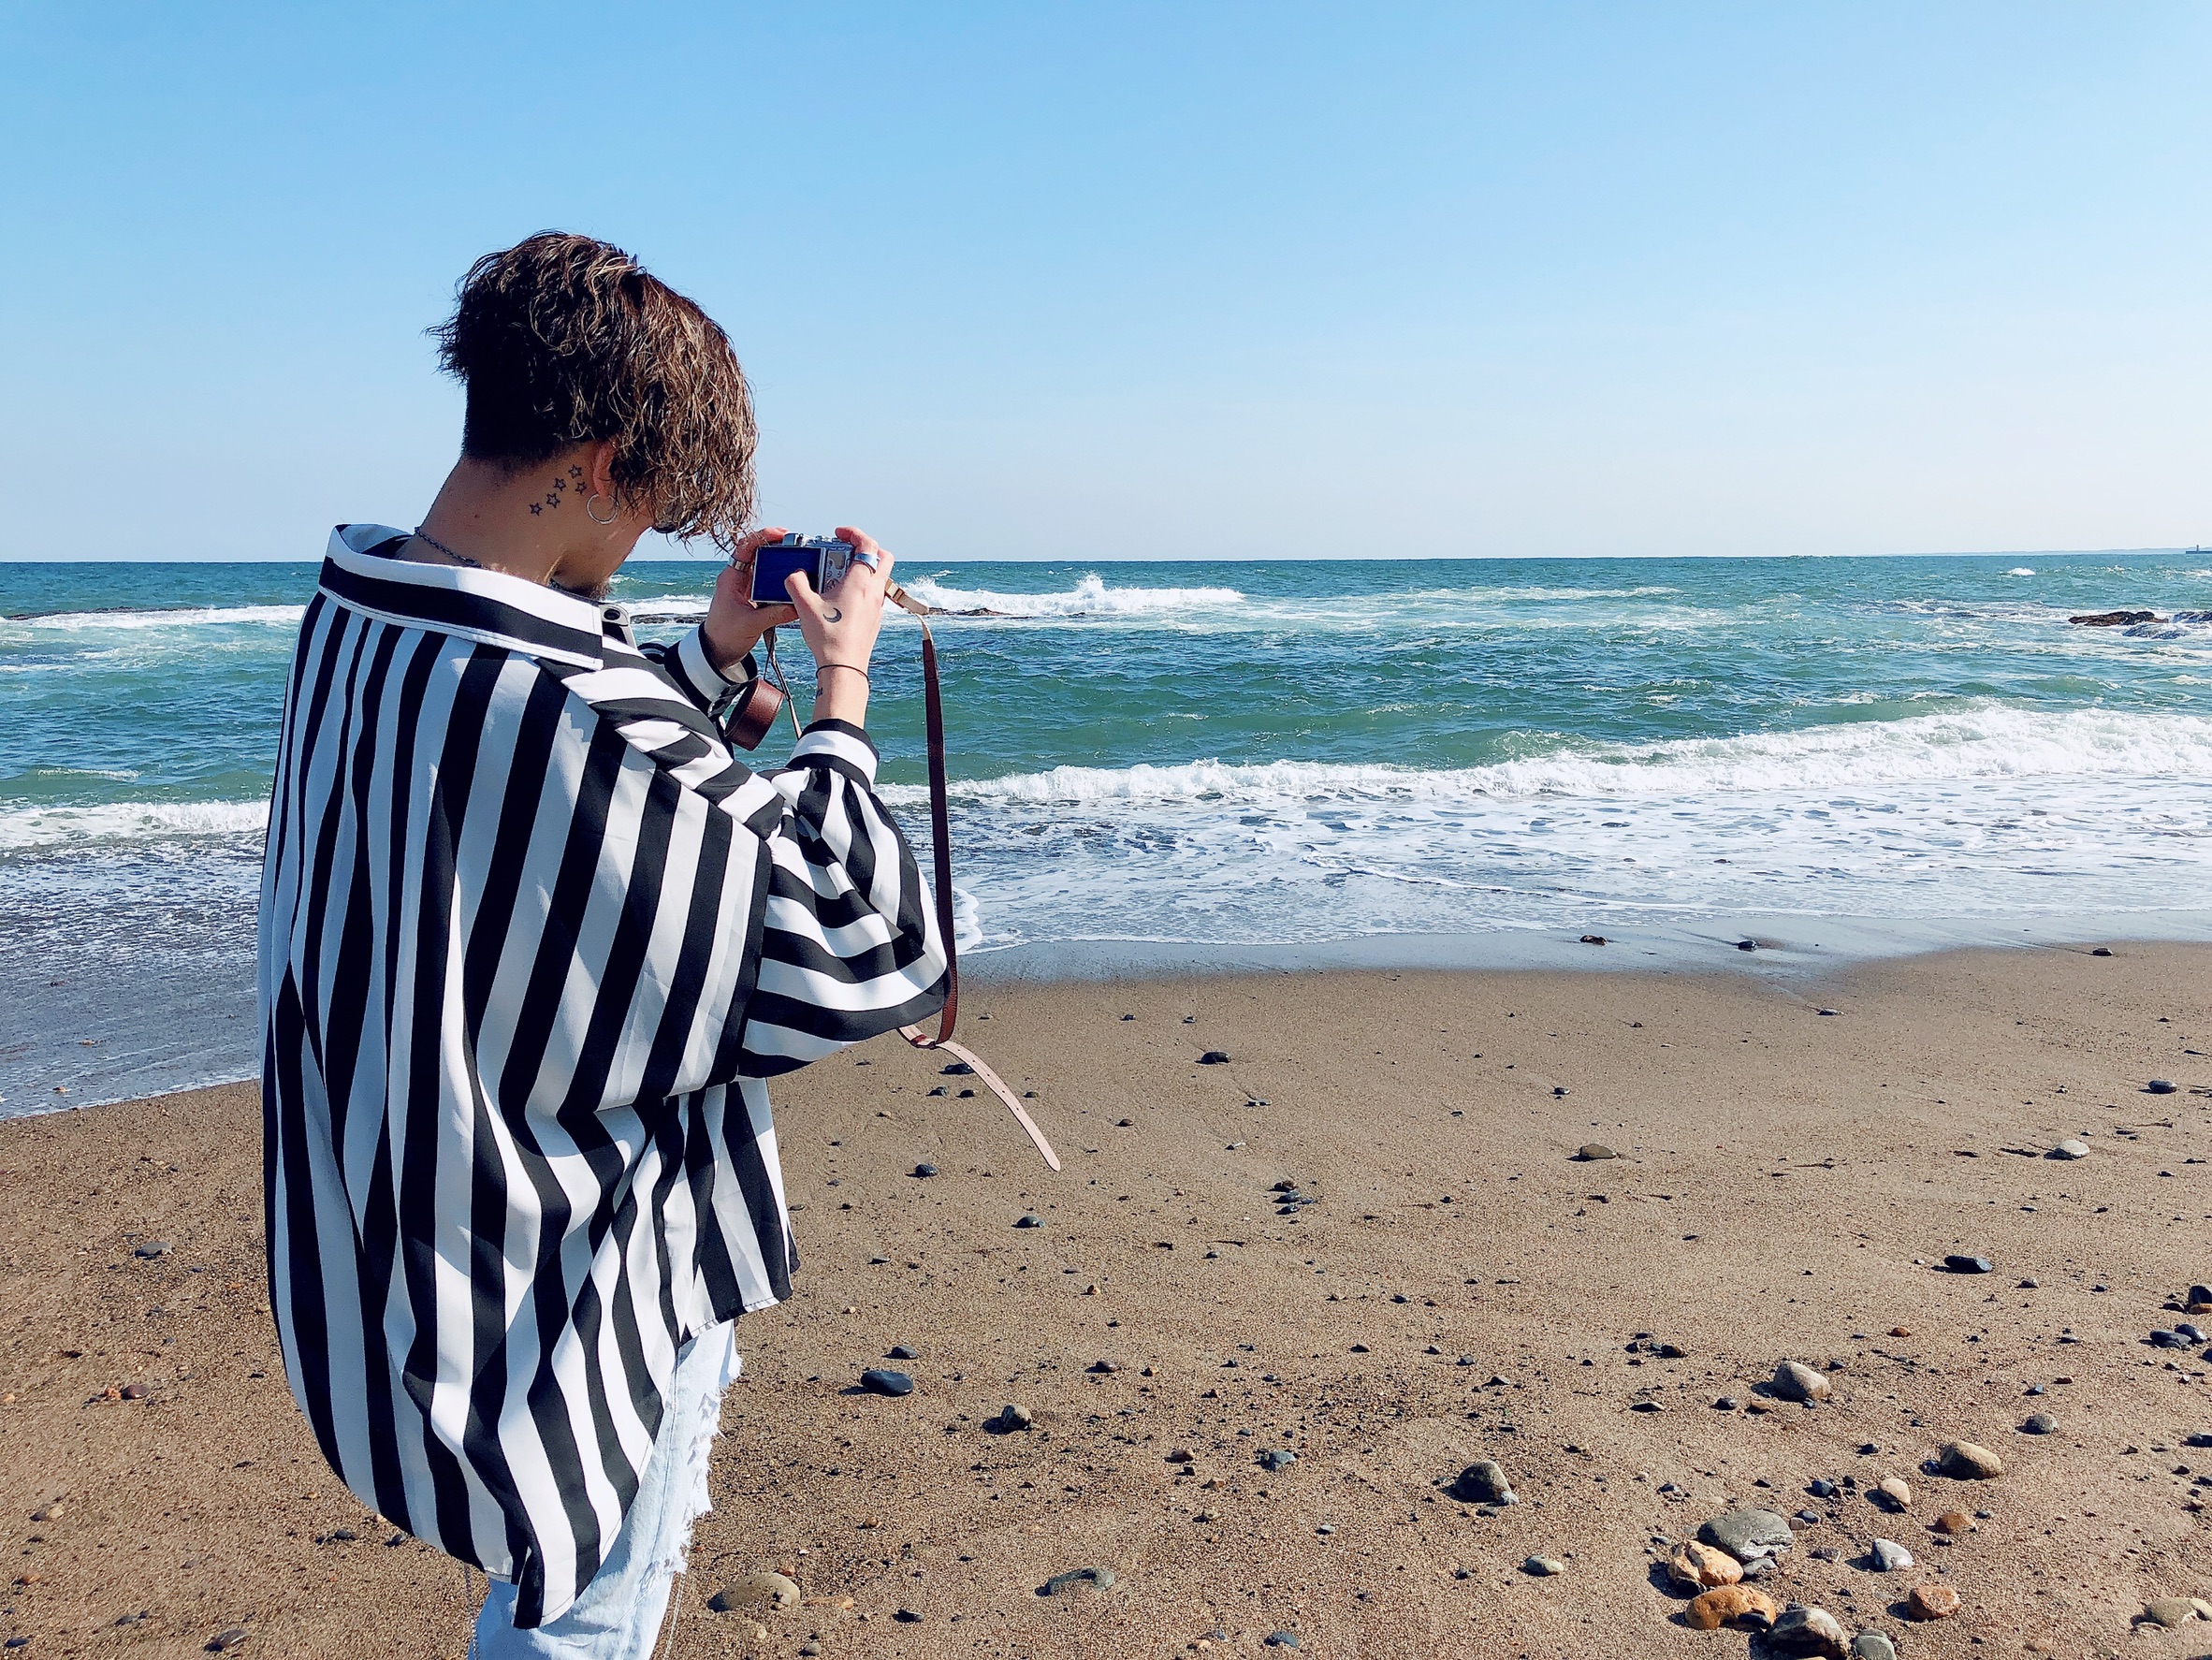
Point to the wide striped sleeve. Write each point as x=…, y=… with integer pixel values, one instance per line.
x=686, y=663
x=849, y=944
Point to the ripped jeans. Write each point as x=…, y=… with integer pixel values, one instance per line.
x=619, y=1615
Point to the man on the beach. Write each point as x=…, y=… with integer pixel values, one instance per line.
x=532, y=938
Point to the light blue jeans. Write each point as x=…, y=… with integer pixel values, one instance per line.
x=619, y=1615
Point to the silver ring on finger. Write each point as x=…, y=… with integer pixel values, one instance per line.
x=872, y=561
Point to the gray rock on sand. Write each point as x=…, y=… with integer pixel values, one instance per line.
x=1890, y=1557
x=1958, y=1263
x=1075, y=1579
x=1483, y=1482
x=1872, y=1645
x=1543, y=1566
x=1808, y=1631
x=1591, y=1151
x=756, y=1591
x=1965, y=1462
x=1031, y=1221
x=2039, y=1423
x=882, y=1380
x=2071, y=1147
x=1277, y=1458
x=1796, y=1381
x=2159, y=1087
x=2171, y=1611
x=1749, y=1535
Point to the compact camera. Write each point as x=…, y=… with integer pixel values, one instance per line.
x=822, y=557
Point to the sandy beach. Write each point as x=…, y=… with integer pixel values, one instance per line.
x=1462, y=1286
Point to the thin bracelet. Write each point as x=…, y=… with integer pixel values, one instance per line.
x=851, y=667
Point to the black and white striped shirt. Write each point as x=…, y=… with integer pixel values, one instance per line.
x=530, y=940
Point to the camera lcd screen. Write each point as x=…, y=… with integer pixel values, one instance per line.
x=773, y=563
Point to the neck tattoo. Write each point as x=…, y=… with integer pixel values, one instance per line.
x=462, y=559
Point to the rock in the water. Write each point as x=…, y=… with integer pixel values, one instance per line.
x=1890, y=1557
x=1214, y=1057
x=2039, y=1423
x=2113, y=619
x=1097, y=1579
x=1277, y=1458
x=1730, y=1604
x=1590, y=1152
x=2071, y=1147
x=1695, y=1567
x=1962, y=1265
x=1747, y=1536
x=756, y=1591
x=1543, y=1566
x=882, y=1380
x=1932, y=1602
x=1031, y=1221
x=1872, y=1645
x=2159, y=1087
x=1809, y=1631
x=1796, y=1381
x=1965, y=1462
x=1483, y=1482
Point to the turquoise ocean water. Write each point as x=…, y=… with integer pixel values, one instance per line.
x=1163, y=760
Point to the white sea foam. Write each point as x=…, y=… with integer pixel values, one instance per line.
x=2019, y=571
x=186, y=617
x=1090, y=597
x=1962, y=746
x=25, y=829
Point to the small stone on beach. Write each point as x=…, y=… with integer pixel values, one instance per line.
x=2039, y=1423
x=1031, y=1221
x=1931, y=1602
x=756, y=1591
x=1214, y=1057
x=1483, y=1482
x=1809, y=1631
x=1964, y=1461
x=881, y=1380
x=1964, y=1265
x=1728, y=1605
x=1076, y=1578
x=2071, y=1148
x=1889, y=1557
x=1543, y=1566
x=1694, y=1567
x=1748, y=1535
x=1796, y=1381
x=1591, y=1151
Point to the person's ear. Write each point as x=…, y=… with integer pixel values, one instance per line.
x=599, y=469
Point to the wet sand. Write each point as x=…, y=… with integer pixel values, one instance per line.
x=1463, y=1287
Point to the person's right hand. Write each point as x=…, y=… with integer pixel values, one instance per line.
x=734, y=623
x=840, y=625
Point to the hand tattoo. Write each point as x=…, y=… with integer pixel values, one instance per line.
x=837, y=614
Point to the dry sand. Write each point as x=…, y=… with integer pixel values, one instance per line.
x=1787, y=1180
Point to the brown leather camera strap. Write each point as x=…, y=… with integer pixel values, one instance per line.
x=940, y=846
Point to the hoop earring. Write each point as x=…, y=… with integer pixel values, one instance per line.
x=593, y=517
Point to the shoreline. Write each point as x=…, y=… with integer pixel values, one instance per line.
x=1463, y=1286
x=1797, y=949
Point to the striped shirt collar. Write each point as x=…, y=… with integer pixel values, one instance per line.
x=488, y=606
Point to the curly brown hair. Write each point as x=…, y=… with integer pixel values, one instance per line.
x=563, y=340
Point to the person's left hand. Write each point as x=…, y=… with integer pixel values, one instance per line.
x=735, y=624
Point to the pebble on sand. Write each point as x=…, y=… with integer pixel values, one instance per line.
x=1748, y=1535
x=1543, y=1566
x=1872, y=1645
x=1076, y=1578
x=1965, y=1462
x=2159, y=1087
x=1277, y=1458
x=1890, y=1557
x=1591, y=1151
x=1694, y=1567
x=756, y=1591
x=1796, y=1381
x=1484, y=1482
x=2070, y=1148
x=1951, y=1521
x=1932, y=1602
x=224, y=1640
x=1728, y=1605
x=1809, y=1631
x=924, y=1171
x=1214, y=1057
x=2039, y=1423
x=1958, y=1263
x=882, y=1380
x=2170, y=1611
x=1030, y=1220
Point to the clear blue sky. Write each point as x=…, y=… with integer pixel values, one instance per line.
x=1084, y=281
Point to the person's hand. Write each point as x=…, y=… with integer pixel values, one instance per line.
x=840, y=625
x=735, y=624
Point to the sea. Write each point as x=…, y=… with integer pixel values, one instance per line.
x=1295, y=764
